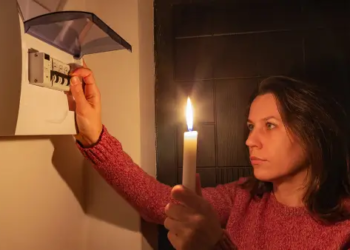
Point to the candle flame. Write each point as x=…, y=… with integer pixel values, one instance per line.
x=189, y=115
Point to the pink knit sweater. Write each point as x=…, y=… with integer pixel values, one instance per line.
x=250, y=224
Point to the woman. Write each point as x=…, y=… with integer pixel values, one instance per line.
x=297, y=199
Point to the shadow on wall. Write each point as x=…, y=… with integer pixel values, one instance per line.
x=104, y=203
x=10, y=48
x=65, y=158
x=68, y=161
x=94, y=194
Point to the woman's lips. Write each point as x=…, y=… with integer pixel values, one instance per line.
x=256, y=160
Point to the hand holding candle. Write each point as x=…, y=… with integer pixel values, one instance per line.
x=192, y=223
x=190, y=151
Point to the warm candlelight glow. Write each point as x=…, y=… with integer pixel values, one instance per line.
x=189, y=115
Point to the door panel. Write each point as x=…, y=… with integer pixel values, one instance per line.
x=216, y=52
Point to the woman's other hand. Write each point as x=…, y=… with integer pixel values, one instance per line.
x=87, y=106
x=191, y=220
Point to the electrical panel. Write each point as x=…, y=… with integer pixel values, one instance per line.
x=47, y=41
x=48, y=72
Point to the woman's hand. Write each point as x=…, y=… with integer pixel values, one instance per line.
x=191, y=221
x=87, y=106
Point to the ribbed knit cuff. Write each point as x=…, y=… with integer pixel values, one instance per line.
x=225, y=243
x=98, y=141
x=104, y=150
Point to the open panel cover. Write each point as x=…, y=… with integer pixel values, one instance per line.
x=75, y=32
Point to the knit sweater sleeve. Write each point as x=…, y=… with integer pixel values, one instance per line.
x=346, y=244
x=225, y=243
x=147, y=195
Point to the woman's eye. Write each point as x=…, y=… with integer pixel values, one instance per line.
x=270, y=125
x=250, y=127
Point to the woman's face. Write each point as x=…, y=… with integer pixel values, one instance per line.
x=275, y=154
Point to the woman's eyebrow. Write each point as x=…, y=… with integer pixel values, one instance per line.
x=265, y=118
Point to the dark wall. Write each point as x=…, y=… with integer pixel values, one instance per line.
x=217, y=51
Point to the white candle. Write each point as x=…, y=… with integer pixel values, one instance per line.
x=190, y=151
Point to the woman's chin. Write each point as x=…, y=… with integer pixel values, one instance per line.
x=263, y=175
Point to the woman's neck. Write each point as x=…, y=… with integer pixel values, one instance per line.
x=290, y=190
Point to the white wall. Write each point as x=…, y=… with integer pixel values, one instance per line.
x=41, y=190
x=126, y=81
x=45, y=185
x=147, y=102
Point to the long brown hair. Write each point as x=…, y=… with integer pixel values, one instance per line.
x=322, y=126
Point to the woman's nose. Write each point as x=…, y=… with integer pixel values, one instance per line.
x=253, y=139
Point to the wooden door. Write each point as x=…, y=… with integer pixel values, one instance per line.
x=216, y=52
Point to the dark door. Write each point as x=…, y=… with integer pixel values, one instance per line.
x=216, y=52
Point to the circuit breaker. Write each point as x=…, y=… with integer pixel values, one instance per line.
x=48, y=72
